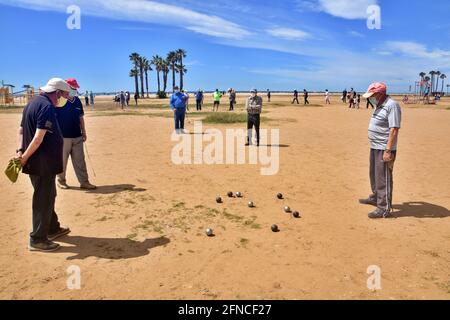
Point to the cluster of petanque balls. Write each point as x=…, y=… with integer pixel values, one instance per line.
x=295, y=214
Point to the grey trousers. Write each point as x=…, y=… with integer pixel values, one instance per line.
x=381, y=179
x=73, y=147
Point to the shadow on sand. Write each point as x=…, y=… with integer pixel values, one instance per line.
x=113, y=189
x=420, y=210
x=108, y=248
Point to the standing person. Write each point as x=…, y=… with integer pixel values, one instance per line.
x=186, y=94
x=351, y=101
x=199, y=99
x=295, y=97
x=128, y=97
x=86, y=98
x=305, y=96
x=327, y=97
x=91, y=95
x=232, y=99
x=71, y=121
x=40, y=148
x=123, y=99
x=254, y=108
x=136, y=98
x=344, y=96
x=178, y=105
x=358, y=101
x=269, y=95
x=216, y=96
x=383, y=136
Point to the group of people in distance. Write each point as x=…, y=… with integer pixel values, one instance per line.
x=123, y=98
x=305, y=97
x=354, y=99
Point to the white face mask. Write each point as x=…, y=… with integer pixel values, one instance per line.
x=373, y=101
x=73, y=93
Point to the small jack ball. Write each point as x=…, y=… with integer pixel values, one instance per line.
x=296, y=214
x=275, y=228
x=238, y=194
x=219, y=200
x=287, y=209
x=280, y=196
x=209, y=232
x=251, y=204
x=230, y=194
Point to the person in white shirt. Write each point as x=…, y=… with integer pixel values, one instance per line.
x=327, y=97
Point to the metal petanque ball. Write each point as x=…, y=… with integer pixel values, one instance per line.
x=296, y=214
x=209, y=232
x=280, y=196
x=275, y=228
x=230, y=194
x=219, y=200
x=251, y=204
x=287, y=209
x=238, y=194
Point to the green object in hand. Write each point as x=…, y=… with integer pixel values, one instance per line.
x=13, y=170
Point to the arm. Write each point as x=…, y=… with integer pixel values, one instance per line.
x=83, y=128
x=34, y=145
x=393, y=136
x=19, y=142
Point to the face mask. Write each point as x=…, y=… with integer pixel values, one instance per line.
x=61, y=102
x=373, y=101
x=73, y=93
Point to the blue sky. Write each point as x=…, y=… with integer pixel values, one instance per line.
x=281, y=45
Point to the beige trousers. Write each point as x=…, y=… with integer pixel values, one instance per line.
x=73, y=147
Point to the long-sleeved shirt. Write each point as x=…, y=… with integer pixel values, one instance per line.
x=178, y=101
x=254, y=105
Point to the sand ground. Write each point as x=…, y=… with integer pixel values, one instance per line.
x=141, y=234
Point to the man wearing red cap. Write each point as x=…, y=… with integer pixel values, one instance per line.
x=71, y=120
x=383, y=136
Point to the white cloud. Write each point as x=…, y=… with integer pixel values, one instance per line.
x=143, y=11
x=347, y=9
x=414, y=49
x=288, y=34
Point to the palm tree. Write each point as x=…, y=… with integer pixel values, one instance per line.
x=443, y=77
x=172, y=58
x=438, y=73
x=141, y=74
x=432, y=74
x=134, y=57
x=181, y=53
x=165, y=69
x=181, y=70
x=157, y=62
x=147, y=68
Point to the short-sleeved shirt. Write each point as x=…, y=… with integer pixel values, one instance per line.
x=384, y=118
x=69, y=118
x=48, y=158
x=199, y=96
x=217, y=96
x=178, y=100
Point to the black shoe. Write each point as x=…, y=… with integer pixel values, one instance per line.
x=61, y=232
x=380, y=214
x=47, y=246
x=368, y=202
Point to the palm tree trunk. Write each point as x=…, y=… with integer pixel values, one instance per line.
x=142, y=82
x=159, y=84
x=136, y=81
x=181, y=72
x=165, y=75
x=146, y=82
x=173, y=77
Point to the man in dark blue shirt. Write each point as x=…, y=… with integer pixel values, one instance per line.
x=199, y=99
x=178, y=105
x=40, y=152
x=71, y=121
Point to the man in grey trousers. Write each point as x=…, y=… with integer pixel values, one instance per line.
x=383, y=136
x=71, y=121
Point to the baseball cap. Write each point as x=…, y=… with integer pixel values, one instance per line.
x=56, y=84
x=253, y=90
x=376, y=87
x=72, y=82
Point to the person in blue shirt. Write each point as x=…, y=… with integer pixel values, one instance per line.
x=178, y=105
x=199, y=99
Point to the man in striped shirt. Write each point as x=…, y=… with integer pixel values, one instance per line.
x=383, y=136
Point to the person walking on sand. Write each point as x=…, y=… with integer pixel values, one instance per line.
x=40, y=149
x=128, y=97
x=232, y=99
x=73, y=129
x=305, y=96
x=358, y=101
x=199, y=99
x=91, y=96
x=344, y=96
x=86, y=98
x=327, y=97
x=216, y=96
x=123, y=100
x=136, y=98
x=269, y=95
x=254, y=107
x=178, y=105
x=384, y=129
x=295, y=97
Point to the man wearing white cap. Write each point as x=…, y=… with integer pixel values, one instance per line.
x=40, y=148
x=254, y=108
x=383, y=136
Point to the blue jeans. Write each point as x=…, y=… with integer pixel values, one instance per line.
x=179, y=116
